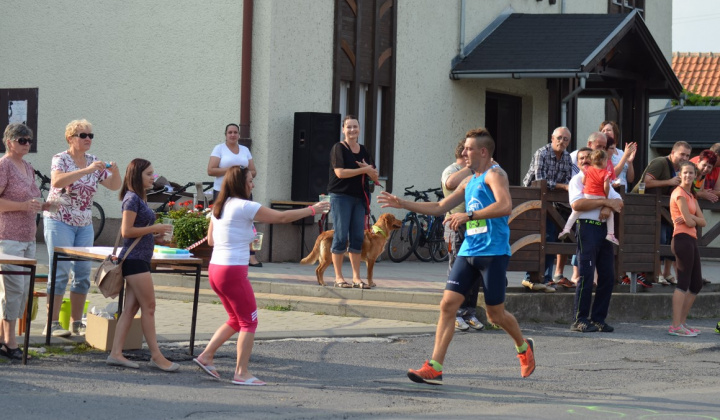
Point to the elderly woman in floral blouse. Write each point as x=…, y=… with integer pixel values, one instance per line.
x=75, y=175
x=18, y=208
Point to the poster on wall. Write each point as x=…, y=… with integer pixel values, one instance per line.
x=17, y=112
x=22, y=107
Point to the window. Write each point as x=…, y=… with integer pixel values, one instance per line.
x=627, y=6
x=364, y=75
x=22, y=107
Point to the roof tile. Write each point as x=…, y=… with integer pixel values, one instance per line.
x=698, y=72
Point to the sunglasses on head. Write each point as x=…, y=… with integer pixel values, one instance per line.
x=24, y=141
x=85, y=135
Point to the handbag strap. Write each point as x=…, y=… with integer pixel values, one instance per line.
x=117, y=242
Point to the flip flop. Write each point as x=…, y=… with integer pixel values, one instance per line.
x=250, y=382
x=209, y=369
x=342, y=284
x=360, y=285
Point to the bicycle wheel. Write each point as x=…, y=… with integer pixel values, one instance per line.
x=98, y=219
x=403, y=241
x=439, y=249
x=422, y=252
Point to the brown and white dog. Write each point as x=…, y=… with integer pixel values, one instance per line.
x=373, y=245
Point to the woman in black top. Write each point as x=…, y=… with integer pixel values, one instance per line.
x=351, y=168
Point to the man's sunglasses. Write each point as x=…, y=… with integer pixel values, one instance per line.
x=24, y=141
x=85, y=135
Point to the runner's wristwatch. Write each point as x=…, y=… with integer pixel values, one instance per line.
x=470, y=215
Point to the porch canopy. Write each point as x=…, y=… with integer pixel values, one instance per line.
x=697, y=125
x=585, y=55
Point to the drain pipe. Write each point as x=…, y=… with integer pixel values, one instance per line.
x=563, y=105
x=245, y=73
x=461, y=47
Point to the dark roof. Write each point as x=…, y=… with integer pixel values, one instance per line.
x=697, y=125
x=601, y=47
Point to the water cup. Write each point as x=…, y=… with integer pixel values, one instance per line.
x=641, y=188
x=256, y=244
x=324, y=198
x=169, y=235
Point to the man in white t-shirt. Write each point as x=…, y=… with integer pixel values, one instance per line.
x=592, y=248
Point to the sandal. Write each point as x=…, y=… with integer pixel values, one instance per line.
x=342, y=284
x=15, y=353
x=360, y=285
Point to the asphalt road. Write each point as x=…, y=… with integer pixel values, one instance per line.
x=636, y=372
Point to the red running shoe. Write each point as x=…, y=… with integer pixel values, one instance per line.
x=527, y=359
x=426, y=374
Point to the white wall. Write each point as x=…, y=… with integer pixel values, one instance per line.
x=157, y=79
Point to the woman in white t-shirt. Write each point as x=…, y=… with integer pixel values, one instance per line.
x=230, y=233
x=227, y=154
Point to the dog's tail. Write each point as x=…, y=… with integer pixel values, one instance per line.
x=314, y=254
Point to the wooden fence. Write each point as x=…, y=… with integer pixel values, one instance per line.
x=637, y=229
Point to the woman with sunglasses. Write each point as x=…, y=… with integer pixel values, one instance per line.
x=18, y=207
x=74, y=179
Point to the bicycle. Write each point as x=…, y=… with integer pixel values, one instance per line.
x=419, y=234
x=98, y=214
x=431, y=244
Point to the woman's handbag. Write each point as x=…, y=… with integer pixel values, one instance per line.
x=109, y=277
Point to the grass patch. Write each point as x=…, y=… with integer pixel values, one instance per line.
x=280, y=308
x=320, y=313
x=77, y=348
x=216, y=302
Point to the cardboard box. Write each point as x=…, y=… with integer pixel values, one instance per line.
x=101, y=331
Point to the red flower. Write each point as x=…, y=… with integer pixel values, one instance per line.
x=199, y=206
x=171, y=203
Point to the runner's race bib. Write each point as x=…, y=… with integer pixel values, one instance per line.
x=475, y=227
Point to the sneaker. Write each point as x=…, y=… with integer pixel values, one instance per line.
x=564, y=235
x=535, y=287
x=549, y=288
x=491, y=326
x=717, y=328
x=56, y=330
x=695, y=330
x=610, y=237
x=78, y=328
x=426, y=374
x=681, y=332
x=625, y=280
x=644, y=282
x=527, y=359
x=583, y=326
x=460, y=324
x=474, y=323
x=603, y=327
x=662, y=280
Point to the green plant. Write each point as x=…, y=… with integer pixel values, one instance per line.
x=190, y=224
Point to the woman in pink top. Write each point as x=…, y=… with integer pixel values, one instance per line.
x=18, y=209
x=686, y=215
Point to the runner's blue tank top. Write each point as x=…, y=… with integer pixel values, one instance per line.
x=484, y=237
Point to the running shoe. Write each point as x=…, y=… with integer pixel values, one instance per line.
x=491, y=326
x=717, y=328
x=474, y=323
x=681, y=332
x=583, y=326
x=663, y=281
x=603, y=327
x=460, y=324
x=426, y=374
x=643, y=282
x=527, y=359
x=695, y=330
x=625, y=280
